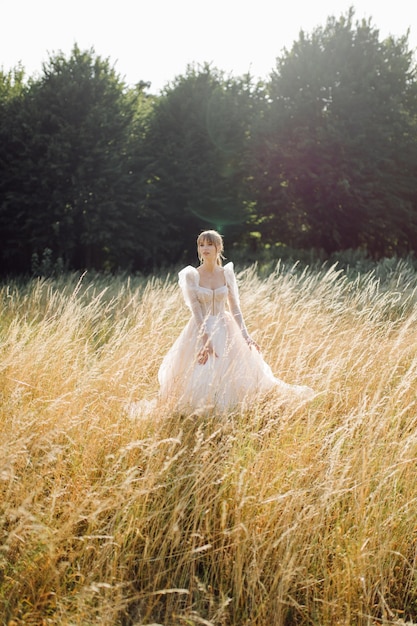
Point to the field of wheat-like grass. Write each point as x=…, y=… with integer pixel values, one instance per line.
x=271, y=515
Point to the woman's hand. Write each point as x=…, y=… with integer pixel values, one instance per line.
x=252, y=344
x=203, y=355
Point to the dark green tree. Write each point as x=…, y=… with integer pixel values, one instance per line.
x=74, y=142
x=337, y=168
x=196, y=148
x=13, y=247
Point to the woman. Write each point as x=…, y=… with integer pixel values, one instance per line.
x=214, y=362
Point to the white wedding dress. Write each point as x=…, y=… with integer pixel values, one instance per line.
x=236, y=372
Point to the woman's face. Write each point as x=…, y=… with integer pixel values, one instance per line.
x=207, y=250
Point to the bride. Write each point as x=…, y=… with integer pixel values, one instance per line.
x=214, y=363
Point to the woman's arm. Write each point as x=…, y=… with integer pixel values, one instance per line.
x=188, y=280
x=234, y=304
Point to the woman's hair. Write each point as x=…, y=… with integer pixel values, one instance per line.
x=213, y=237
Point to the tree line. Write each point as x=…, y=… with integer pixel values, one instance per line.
x=323, y=155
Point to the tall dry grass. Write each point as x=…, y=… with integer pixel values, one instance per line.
x=270, y=516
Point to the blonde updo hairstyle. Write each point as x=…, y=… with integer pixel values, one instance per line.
x=213, y=237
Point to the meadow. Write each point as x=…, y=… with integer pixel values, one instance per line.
x=117, y=510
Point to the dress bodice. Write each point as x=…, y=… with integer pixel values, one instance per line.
x=212, y=301
x=205, y=302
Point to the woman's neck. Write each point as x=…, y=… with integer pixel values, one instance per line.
x=210, y=266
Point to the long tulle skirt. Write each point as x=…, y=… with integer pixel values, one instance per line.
x=234, y=374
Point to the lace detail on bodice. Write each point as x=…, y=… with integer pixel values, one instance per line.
x=202, y=301
x=212, y=301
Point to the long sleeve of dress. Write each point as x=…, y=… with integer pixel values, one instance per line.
x=233, y=299
x=188, y=281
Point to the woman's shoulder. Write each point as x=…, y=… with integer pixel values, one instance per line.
x=188, y=273
x=229, y=271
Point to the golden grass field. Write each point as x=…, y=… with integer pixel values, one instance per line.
x=273, y=515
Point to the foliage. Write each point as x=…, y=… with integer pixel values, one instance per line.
x=68, y=179
x=339, y=164
x=322, y=156
x=13, y=91
x=196, y=149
